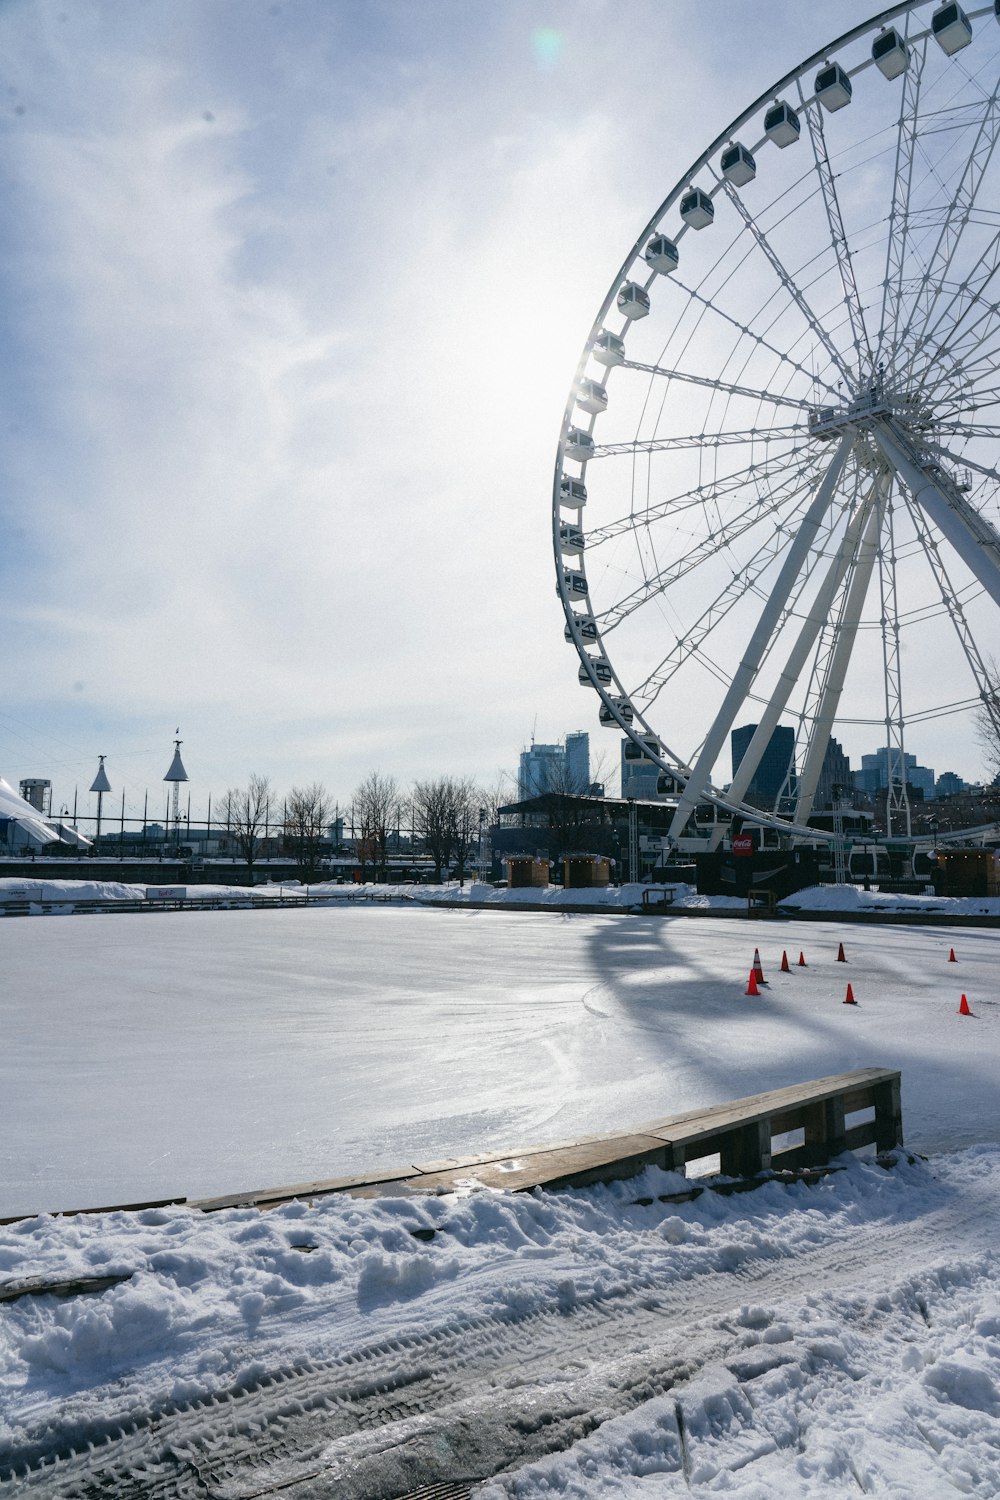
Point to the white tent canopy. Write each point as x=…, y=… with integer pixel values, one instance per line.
x=27, y=817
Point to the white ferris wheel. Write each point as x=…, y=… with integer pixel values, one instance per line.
x=776, y=491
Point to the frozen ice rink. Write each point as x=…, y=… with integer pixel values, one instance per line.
x=198, y=1053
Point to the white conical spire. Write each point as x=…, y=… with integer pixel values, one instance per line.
x=101, y=782
x=177, y=771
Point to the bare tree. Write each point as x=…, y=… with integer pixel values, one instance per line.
x=988, y=721
x=378, y=807
x=307, y=813
x=467, y=799
x=246, y=811
x=430, y=808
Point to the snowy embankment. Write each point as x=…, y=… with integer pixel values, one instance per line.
x=792, y=1342
x=830, y=898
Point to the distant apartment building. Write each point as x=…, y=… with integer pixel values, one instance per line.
x=834, y=772
x=949, y=784
x=555, y=768
x=874, y=775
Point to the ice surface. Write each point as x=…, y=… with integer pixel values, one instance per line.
x=213, y=1052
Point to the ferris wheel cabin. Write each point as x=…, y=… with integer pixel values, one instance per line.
x=633, y=300
x=624, y=708
x=585, y=625
x=576, y=584
x=737, y=165
x=662, y=255
x=571, y=539
x=697, y=209
x=890, y=53
x=781, y=124
x=608, y=349
x=602, y=671
x=833, y=87
x=592, y=396
x=572, y=492
x=579, y=444
x=952, y=28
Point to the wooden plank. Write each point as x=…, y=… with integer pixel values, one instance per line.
x=68, y=1286
x=262, y=1197
x=579, y=1165
x=694, y=1123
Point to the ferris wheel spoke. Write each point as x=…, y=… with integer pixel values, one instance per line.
x=838, y=238
x=722, y=386
x=787, y=281
x=762, y=343
x=749, y=666
x=956, y=217
x=897, y=238
x=962, y=460
x=709, y=547
x=699, y=440
x=703, y=495
x=965, y=300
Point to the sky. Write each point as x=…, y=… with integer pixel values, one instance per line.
x=293, y=295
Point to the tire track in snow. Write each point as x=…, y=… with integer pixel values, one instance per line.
x=458, y=1402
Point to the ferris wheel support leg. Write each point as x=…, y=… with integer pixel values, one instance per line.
x=829, y=700
x=972, y=537
x=819, y=613
x=748, y=668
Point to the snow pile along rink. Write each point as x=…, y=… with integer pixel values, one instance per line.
x=794, y=1341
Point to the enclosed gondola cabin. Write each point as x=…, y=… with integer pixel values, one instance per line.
x=624, y=707
x=737, y=165
x=609, y=349
x=890, y=53
x=579, y=444
x=586, y=627
x=602, y=671
x=833, y=87
x=633, y=300
x=781, y=124
x=572, y=492
x=951, y=28
x=668, y=786
x=592, y=396
x=575, y=584
x=697, y=209
x=662, y=255
x=571, y=539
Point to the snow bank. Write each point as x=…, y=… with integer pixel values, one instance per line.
x=834, y=1337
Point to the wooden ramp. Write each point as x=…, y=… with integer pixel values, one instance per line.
x=750, y=1136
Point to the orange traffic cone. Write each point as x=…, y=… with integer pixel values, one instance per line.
x=951, y=956
x=849, y=997
x=758, y=968
x=963, y=1009
x=841, y=955
x=752, y=984
x=785, y=969
x=802, y=959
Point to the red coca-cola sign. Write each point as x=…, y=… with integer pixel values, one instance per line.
x=743, y=843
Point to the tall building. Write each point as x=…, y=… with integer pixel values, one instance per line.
x=578, y=762
x=834, y=772
x=776, y=764
x=555, y=768
x=874, y=774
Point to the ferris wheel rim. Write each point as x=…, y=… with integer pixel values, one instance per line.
x=635, y=725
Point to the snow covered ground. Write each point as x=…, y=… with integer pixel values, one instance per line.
x=796, y=1341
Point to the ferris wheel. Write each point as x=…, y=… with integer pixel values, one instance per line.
x=776, y=496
